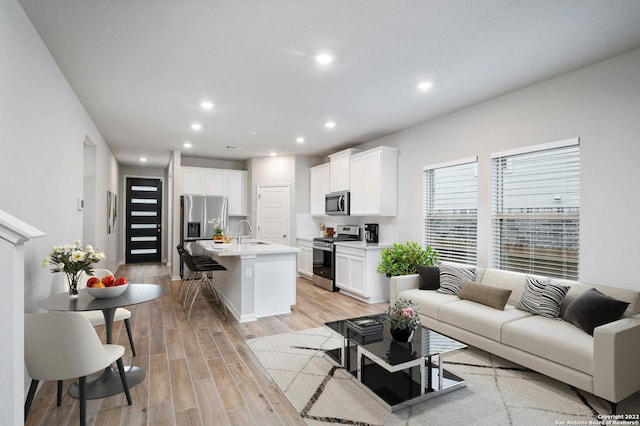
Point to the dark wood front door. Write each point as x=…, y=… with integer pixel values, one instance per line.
x=144, y=220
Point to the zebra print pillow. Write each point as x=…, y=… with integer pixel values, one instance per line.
x=550, y=300
x=541, y=297
x=530, y=300
x=452, y=278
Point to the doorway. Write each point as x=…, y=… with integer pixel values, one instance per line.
x=144, y=220
x=88, y=201
x=272, y=216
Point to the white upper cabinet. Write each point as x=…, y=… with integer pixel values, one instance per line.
x=237, y=192
x=340, y=175
x=230, y=183
x=192, y=181
x=215, y=182
x=374, y=182
x=319, y=187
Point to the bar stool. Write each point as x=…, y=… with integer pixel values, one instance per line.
x=203, y=269
x=197, y=258
x=191, y=274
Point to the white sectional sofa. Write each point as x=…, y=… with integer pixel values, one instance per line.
x=606, y=364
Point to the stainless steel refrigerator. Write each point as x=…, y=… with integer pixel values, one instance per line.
x=195, y=213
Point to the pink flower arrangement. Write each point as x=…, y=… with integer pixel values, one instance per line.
x=403, y=315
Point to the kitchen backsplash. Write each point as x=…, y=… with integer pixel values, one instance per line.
x=309, y=226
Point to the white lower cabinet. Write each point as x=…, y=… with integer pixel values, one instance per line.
x=305, y=259
x=356, y=276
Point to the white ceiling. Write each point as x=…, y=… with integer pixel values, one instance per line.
x=142, y=67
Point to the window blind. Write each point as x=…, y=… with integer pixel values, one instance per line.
x=451, y=210
x=536, y=210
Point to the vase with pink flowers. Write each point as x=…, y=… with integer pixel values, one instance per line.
x=403, y=320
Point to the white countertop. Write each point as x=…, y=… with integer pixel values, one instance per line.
x=248, y=247
x=363, y=245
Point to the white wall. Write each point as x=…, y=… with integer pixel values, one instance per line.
x=43, y=127
x=600, y=105
x=273, y=171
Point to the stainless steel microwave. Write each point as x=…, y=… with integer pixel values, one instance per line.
x=337, y=203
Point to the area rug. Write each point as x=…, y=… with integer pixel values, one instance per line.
x=498, y=392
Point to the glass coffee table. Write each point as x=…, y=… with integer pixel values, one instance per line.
x=397, y=374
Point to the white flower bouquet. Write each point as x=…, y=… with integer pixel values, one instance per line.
x=216, y=222
x=73, y=259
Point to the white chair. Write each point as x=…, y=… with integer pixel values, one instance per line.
x=64, y=345
x=97, y=317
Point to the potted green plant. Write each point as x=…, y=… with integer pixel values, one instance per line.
x=402, y=259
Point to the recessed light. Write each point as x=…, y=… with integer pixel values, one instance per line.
x=187, y=145
x=273, y=154
x=324, y=58
x=252, y=133
x=206, y=105
x=330, y=124
x=300, y=140
x=143, y=159
x=425, y=85
x=196, y=126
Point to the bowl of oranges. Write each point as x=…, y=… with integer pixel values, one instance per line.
x=107, y=286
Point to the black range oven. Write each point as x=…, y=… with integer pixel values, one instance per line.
x=324, y=255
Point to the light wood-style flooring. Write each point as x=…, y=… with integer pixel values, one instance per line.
x=198, y=372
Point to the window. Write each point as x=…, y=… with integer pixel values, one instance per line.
x=536, y=209
x=451, y=210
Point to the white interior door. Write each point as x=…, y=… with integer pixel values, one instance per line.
x=273, y=213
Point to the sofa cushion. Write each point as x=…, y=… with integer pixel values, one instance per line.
x=493, y=297
x=592, y=309
x=452, y=278
x=429, y=277
x=556, y=341
x=479, y=319
x=505, y=279
x=428, y=301
x=542, y=297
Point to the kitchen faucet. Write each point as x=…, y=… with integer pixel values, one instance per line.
x=239, y=225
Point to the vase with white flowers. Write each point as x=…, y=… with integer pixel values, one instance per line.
x=73, y=260
x=218, y=233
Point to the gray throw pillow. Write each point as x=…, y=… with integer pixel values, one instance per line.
x=592, y=309
x=494, y=297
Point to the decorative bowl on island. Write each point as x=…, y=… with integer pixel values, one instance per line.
x=107, y=292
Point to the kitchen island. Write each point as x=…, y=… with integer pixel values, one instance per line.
x=260, y=279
